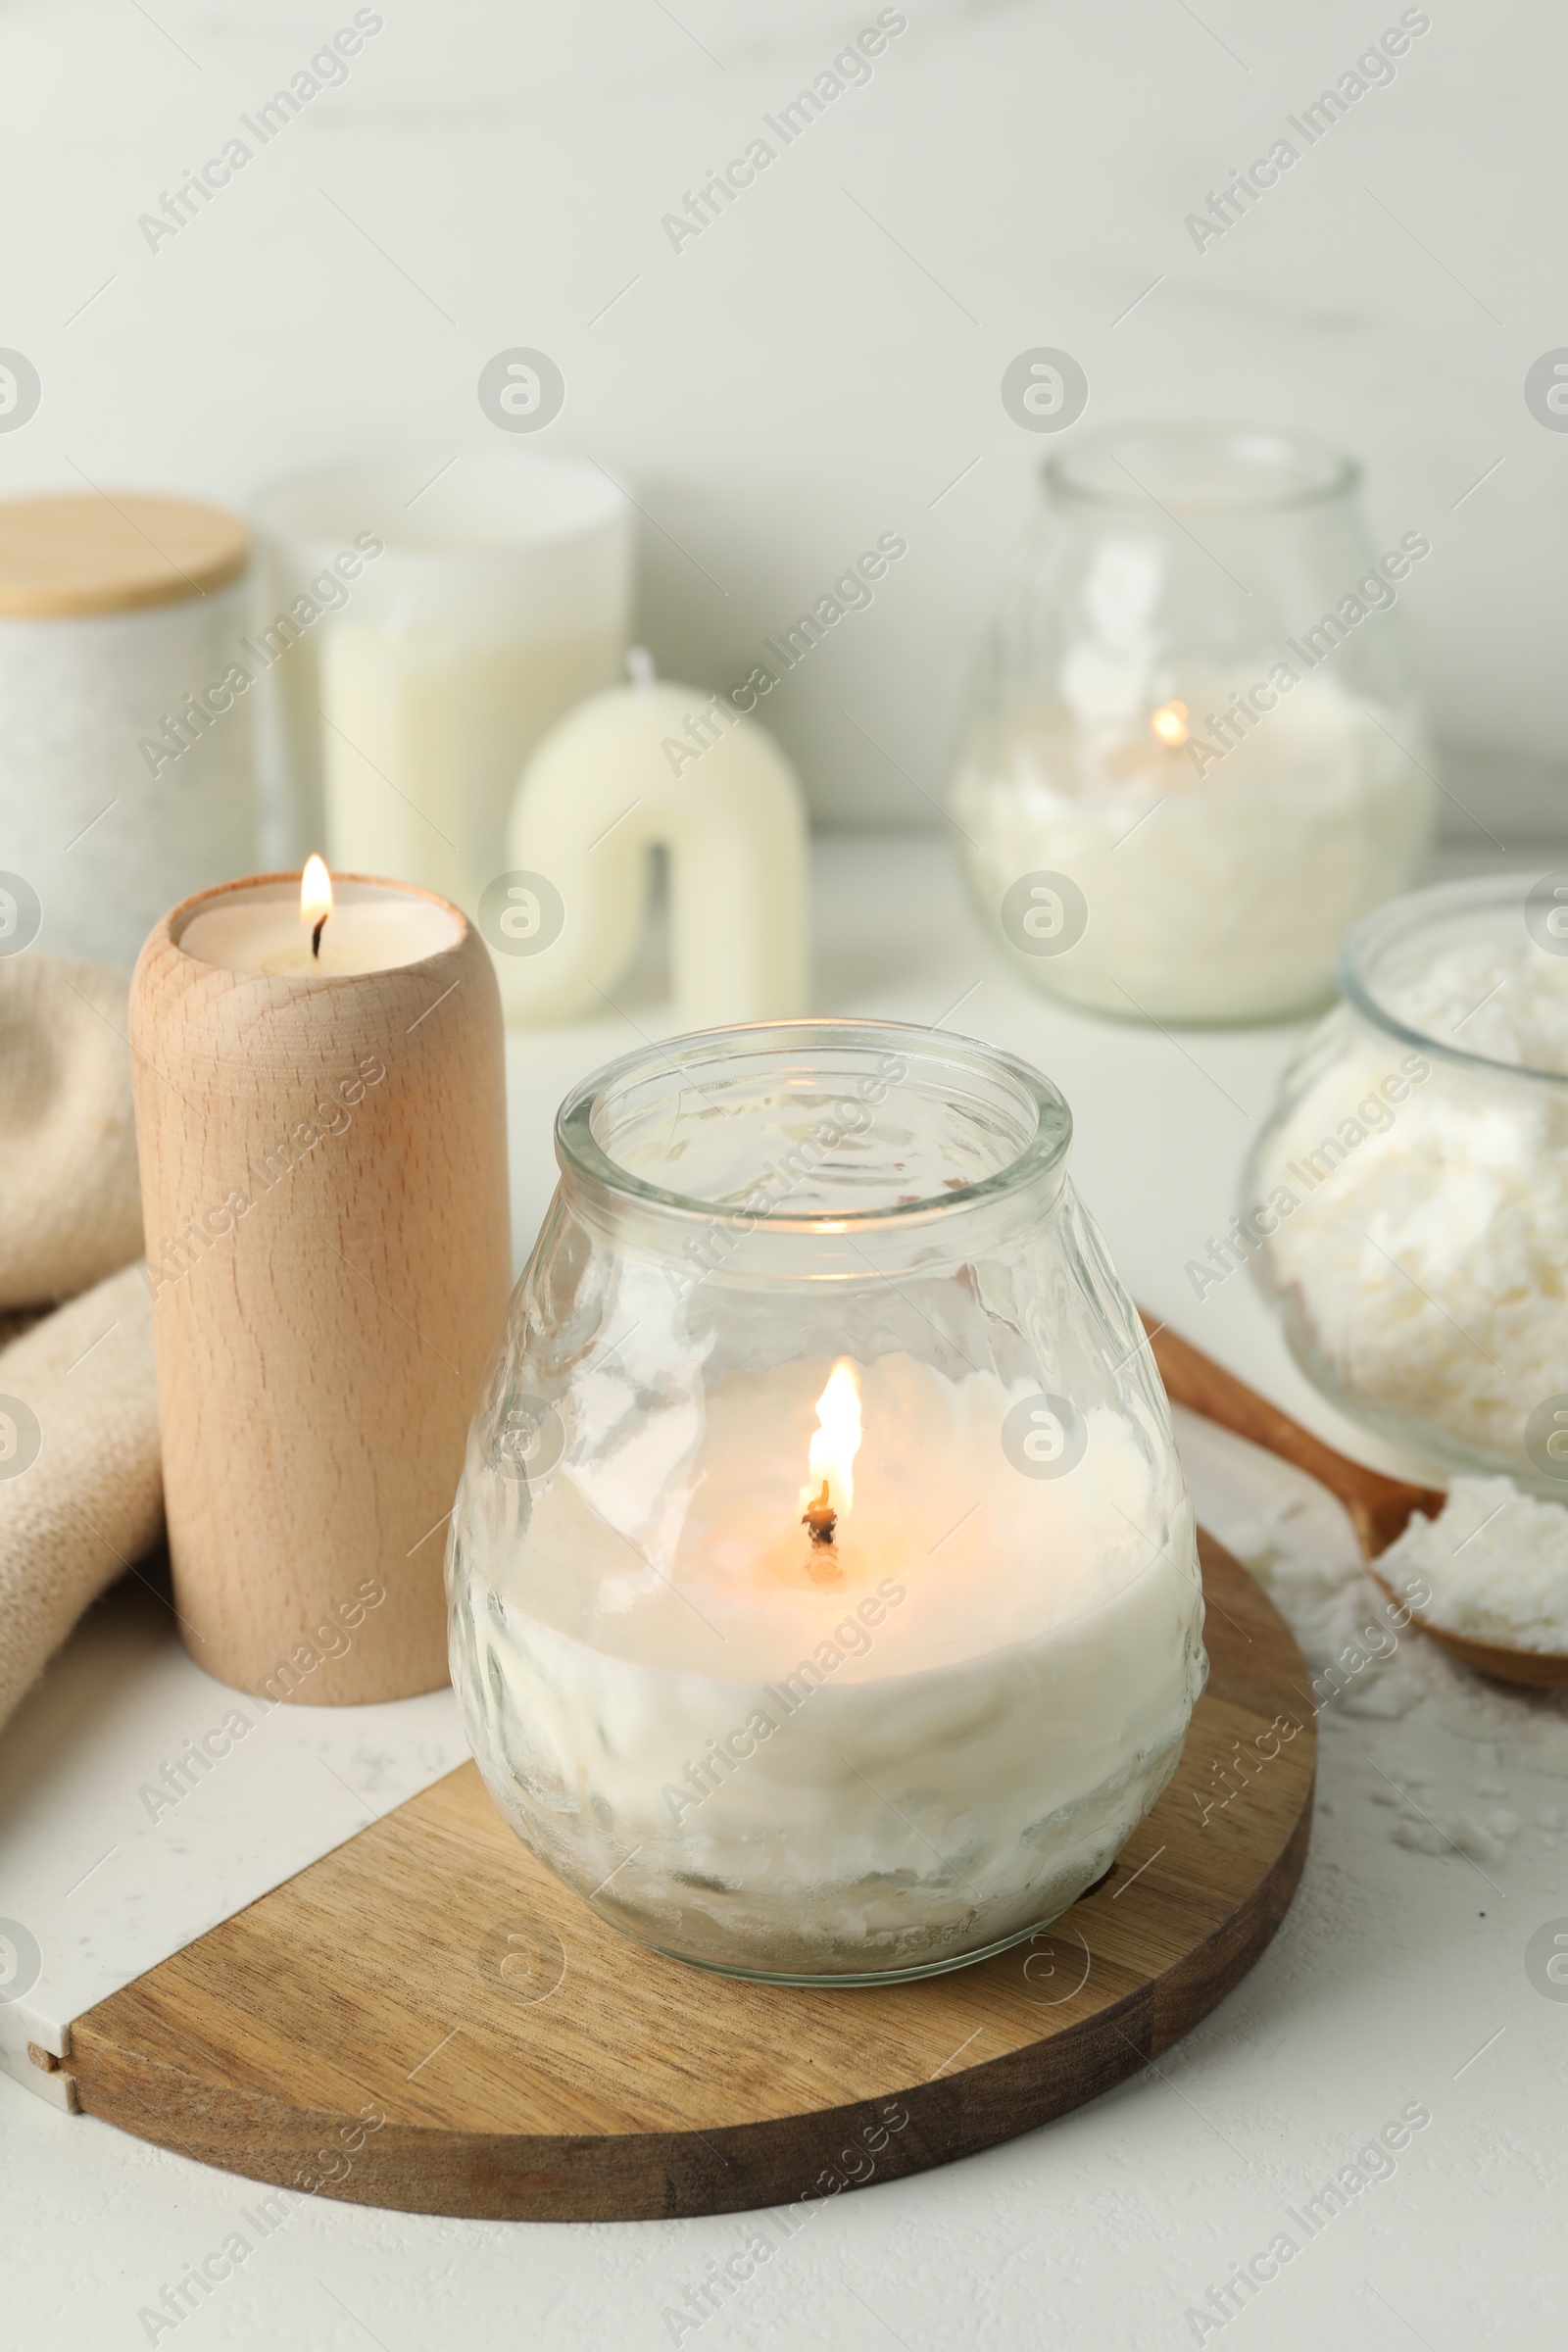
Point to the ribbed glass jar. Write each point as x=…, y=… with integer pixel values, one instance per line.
x=824, y=1583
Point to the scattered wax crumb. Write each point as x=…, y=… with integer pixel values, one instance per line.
x=1460, y=1833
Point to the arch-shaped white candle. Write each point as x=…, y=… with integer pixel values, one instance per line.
x=627, y=771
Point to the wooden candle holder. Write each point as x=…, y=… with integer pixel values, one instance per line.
x=323, y=1171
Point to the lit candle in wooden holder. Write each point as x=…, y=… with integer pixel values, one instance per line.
x=320, y=1114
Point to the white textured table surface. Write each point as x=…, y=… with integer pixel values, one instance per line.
x=1400, y=1975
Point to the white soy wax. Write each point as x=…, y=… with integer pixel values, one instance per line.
x=1209, y=896
x=369, y=927
x=762, y=1756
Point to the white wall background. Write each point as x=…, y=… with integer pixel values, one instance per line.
x=803, y=376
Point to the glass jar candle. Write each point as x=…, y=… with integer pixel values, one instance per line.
x=1194, y=754
x=1407, y=1206
x=824, y=1598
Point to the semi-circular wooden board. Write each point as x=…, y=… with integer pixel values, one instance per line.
x=426, y=2020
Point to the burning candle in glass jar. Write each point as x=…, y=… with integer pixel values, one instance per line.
x=890, y=1716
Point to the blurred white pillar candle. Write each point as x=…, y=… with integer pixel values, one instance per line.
x=476, y=609
x=623, y=774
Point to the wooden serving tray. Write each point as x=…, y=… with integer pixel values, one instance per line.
x=426, y=2019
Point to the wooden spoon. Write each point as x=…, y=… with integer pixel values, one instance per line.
x=1380, y=1507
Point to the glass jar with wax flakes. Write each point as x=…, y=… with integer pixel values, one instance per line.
x=1406, y=1205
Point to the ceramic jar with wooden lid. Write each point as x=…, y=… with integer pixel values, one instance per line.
x=125, y=767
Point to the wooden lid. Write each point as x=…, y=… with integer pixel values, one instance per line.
x=113, y=552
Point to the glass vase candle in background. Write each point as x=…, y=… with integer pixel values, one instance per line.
x=823, y=1585
x=1195, y=754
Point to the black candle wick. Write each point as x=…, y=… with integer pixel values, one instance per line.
x=315, y=937
x=820, y=1518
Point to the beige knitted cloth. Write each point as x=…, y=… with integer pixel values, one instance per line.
x=70, y=1205
x=81, y=1491
x=78, y=1413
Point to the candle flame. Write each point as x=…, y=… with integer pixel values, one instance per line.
x=315, y=893
x=1169, y=723
x=835, y=1442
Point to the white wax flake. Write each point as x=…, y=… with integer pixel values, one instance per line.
x=1326, y=1599
x=1496, y=1562
x=1458, y=1833
x=1508, y=1004
x=1380, y=1701
x=1360, y=1661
